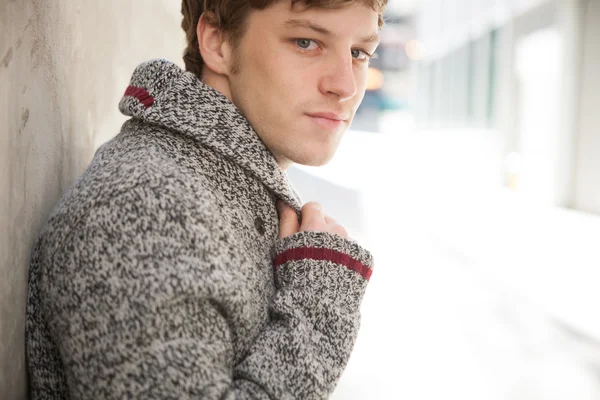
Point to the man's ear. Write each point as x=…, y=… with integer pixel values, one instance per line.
x=214, y=48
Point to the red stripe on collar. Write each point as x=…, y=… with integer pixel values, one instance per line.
x=141, y=94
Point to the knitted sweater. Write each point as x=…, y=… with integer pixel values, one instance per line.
x=160, y=273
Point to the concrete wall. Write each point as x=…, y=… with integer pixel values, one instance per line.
x=63, y=67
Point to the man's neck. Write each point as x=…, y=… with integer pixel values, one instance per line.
x=218, y=82
x=221, y=84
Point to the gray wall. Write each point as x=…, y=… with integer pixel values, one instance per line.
x=63, y=67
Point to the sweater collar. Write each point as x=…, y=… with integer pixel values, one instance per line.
x=162, y=93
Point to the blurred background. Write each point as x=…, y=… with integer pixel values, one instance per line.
x=472, y=173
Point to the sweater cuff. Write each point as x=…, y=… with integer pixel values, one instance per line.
x=310, y=245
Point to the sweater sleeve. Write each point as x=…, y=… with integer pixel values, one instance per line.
x=138, y=296
x=321, y=279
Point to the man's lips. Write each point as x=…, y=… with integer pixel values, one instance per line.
x=329, y=121
x=330, y=115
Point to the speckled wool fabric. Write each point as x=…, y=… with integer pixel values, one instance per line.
x=160, y=274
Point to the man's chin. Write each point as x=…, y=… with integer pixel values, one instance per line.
x=313, y=160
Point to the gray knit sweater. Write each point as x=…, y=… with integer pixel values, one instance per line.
x=160, y=274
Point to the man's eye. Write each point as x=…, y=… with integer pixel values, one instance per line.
x=360, y=55
x=306, y=44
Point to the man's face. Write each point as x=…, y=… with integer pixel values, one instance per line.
x=302, y=75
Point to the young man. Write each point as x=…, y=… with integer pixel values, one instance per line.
x=166, y=271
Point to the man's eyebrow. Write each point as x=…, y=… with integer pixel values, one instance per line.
x=302, y=23
x=375, y=38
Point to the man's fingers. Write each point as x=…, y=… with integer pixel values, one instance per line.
x=288, y=220
x=335, y=227
x=338, y=230
x=329, y=220
x=313, y=218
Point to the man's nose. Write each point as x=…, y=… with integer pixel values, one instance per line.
x=339, y=78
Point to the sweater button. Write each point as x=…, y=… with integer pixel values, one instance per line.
x=259, y=224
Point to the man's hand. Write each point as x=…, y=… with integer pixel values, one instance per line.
x=313, y=219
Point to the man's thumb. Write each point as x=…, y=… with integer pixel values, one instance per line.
x=288, y=220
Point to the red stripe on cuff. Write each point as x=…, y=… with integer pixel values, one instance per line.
x=314, y=253
x=141, y=94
